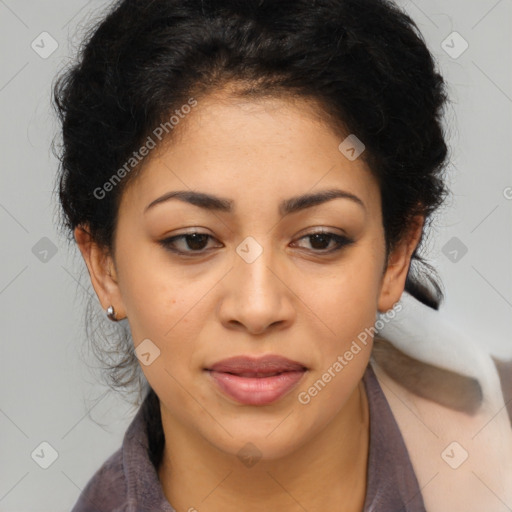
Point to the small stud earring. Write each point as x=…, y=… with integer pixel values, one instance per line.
x=111, y=314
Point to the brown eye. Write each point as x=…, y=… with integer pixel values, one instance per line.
x=323, y=241
x=188, y=243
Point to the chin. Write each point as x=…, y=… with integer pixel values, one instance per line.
x=251, y=443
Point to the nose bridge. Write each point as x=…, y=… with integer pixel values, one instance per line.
x=252, y=266
x=257, y=297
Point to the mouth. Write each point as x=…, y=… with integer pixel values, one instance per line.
x=256, y=381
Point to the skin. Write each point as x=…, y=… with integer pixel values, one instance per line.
x=294, y=300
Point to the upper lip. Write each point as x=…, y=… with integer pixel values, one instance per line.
x=264, y=364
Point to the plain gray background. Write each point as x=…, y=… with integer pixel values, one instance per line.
x=48, y=394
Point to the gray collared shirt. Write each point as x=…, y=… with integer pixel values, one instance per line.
x=128, y=481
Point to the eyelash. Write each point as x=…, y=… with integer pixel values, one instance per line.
x=342, y=241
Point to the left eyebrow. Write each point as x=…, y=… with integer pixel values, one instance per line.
x=291, y=205
x=297, y=203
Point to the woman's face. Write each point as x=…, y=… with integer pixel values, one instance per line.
x=255, y=282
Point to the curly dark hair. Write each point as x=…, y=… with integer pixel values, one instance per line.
x=364, y=62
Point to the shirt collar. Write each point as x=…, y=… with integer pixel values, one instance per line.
x=144, y=490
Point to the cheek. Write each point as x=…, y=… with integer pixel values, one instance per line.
x=155, y=294
x=346, y=299
x=349, y=311
x=345, y=307
x=167, y=307
x=167, y=318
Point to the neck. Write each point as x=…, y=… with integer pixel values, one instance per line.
x=329, y=469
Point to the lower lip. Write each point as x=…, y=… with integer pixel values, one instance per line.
x=256, y=390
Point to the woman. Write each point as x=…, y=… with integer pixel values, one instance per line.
x=248, y=183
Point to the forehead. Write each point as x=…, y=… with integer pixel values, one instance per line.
x=268, y=149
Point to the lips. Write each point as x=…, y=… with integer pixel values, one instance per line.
x=266, y=365
x=256, y=381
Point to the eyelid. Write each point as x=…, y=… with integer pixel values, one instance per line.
x=341, y=240
x=327, y=230
x=166, y=243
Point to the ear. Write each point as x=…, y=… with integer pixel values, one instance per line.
x=399, y=260
x=102, y=271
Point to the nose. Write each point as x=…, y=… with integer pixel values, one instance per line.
x=258, y=296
